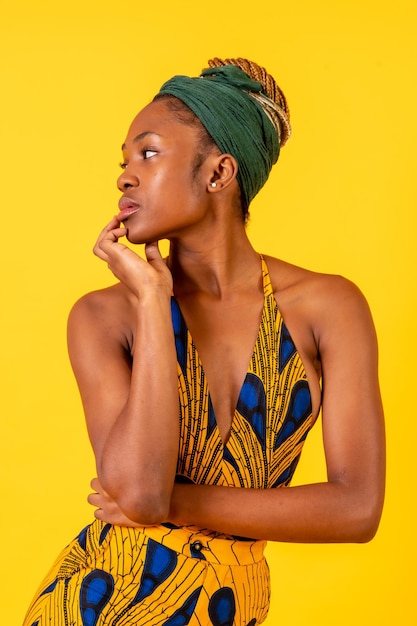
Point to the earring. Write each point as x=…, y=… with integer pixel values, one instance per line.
x=213, y=184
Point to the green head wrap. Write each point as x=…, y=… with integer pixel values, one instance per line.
x=234, y=119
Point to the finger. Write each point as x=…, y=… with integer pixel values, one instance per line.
x=105, y=244
x=98, y=514
x=152, y=252
x=98, y=487
x=114, y=223
x=95, y=499
x=95, y=483
x=111, y=235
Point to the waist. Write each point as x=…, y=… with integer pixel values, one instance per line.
x=197, y=543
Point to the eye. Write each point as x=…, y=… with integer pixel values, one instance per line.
x=148, y=153
x=123, y=165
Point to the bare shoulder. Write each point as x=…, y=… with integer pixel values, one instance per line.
x=323, y=301
x=102, y=302
x=322, y=290
x=105, y=312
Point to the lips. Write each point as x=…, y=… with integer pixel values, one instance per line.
x=127, y=207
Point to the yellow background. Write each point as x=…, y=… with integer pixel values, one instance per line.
x=341, y=200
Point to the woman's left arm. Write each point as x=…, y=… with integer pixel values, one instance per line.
x=347, y=507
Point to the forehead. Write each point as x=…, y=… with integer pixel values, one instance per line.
x=156, y=118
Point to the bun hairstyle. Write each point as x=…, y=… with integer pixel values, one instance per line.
x=269, y=87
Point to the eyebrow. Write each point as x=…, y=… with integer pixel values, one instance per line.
x=141, y=136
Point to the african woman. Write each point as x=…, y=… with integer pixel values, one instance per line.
x=202, y=374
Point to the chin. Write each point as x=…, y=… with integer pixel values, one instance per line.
x=135, y=238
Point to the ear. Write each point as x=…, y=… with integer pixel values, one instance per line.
x=222, y=172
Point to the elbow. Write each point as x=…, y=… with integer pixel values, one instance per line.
x=365, y=523
x=362, y=533
x=367, y=528
x=147, y=506
x=147, y=509
x=360, y=506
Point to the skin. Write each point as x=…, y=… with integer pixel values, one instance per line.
x=122, y=350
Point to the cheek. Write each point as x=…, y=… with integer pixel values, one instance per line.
x=176, y=184
x=167, y=179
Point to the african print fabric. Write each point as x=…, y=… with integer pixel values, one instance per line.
x=178, y=576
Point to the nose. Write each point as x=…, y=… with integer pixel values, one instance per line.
x=127, y=180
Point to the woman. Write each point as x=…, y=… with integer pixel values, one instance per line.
x=171, y=544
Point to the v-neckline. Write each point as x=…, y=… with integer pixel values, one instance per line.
x=266, y=293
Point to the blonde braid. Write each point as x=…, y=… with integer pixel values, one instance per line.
x=276, y=108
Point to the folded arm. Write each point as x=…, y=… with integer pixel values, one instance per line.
x=347, y=507
x=129, y=392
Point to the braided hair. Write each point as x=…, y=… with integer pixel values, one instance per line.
x=269, y=87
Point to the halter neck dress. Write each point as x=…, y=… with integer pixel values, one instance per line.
x=111, y=575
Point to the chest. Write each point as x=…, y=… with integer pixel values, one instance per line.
x=253, y=439
x=223, y=335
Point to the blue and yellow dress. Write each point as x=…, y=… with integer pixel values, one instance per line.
x=111, y=575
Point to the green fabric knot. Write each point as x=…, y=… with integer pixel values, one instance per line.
x=232, y=76
x=235, y=121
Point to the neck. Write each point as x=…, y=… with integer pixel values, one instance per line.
x=216, y=264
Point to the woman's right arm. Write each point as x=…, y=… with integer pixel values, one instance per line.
x=131, y=405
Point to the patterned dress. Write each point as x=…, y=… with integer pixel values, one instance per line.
x=111, y=575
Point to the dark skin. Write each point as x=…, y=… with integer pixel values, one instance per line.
x=122, y=349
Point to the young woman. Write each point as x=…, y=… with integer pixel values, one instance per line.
x=201, y=375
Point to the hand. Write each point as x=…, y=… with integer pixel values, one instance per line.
x=137, y=274
x=107, y=509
